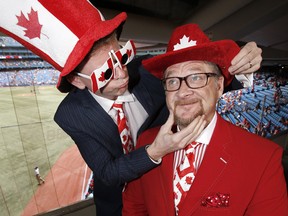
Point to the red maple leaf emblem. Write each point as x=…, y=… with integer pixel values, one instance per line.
x=175, y=195
x=129, y=52
x=102, y=77
x=32, y=25
x=188, y=180
x=124, y=137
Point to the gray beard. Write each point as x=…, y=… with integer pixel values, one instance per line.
x=184, y=122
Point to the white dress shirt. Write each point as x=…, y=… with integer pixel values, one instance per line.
x=203, y=138
x=134, y=111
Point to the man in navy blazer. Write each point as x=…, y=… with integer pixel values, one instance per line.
x=98, y=140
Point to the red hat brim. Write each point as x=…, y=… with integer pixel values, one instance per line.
x=219, y=52
x=84, y=45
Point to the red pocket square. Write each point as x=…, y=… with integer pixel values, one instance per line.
x=216, y=200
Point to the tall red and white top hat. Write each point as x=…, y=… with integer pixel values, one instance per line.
x=62, y=32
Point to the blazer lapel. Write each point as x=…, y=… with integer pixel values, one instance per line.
x=107, y=129
x=213, y=165
x=145, y=99
x=152, y=98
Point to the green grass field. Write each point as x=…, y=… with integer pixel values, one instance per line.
x=29, y=137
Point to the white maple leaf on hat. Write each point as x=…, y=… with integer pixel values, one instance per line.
x=184, y=43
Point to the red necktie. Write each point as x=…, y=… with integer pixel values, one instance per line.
x=184, y=174
x=123, y=128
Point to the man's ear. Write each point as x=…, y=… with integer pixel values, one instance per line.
x=75, y=81
x=220, y=85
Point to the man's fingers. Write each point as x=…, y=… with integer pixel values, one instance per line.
x=249, y=67
x=196, y=129
x=193, y=130
x=166, y=141
x=169, y=123
x=243, y=52
x=250, y=49
x=248, y=60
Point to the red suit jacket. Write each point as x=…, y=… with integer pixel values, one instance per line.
x=238, y=164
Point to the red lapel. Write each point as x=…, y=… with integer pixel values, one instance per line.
x=167, y=183
x=210, y=171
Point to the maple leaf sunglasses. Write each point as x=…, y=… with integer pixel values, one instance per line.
x=101, y=76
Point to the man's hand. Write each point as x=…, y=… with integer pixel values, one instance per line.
x=166, y=141
x=248, y=60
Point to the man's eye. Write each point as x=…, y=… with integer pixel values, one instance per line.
x=171, y=82
x=124, y=59
x=195, y=78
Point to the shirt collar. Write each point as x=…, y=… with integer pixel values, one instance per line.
x=126, y=97
x=106, y=103
x=206, y=134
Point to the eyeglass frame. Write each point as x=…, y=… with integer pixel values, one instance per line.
x=210, y=74
x=110, y=64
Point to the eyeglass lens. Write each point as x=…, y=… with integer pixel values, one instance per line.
x=108, y=73
x=192, y=81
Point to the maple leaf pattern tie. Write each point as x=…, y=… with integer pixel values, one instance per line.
x=123, y=128
x=184, y=174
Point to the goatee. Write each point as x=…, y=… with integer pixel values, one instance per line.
x=184, y=122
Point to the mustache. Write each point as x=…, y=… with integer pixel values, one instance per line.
x=186, y=102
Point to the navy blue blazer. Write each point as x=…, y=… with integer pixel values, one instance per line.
x=98, y=140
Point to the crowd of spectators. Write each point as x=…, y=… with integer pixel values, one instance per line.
x=30, y=77
x=8, y=41
x=260, y=109
x=22, y=64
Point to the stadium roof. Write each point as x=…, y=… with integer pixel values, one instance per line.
x=152, y=21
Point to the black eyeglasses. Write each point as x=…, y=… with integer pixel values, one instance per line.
x=193, y=81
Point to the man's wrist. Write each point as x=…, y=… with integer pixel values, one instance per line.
x=156, y=161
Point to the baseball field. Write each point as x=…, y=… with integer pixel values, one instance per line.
x=29, y=137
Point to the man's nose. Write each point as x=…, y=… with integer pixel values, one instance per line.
x=120, y=72
x=184, y=89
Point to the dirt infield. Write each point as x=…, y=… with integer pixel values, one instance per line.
x=63, y=184
x=29, y=137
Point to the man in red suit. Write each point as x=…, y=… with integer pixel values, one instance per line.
x=227, y=171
